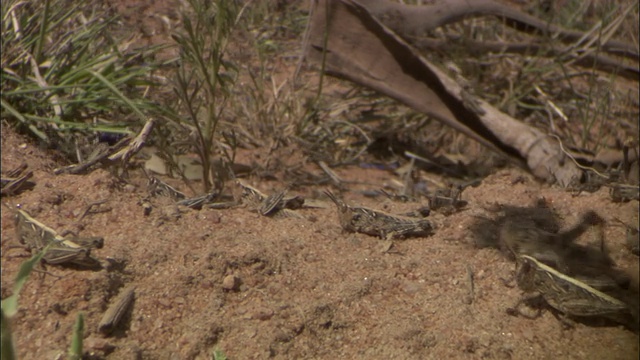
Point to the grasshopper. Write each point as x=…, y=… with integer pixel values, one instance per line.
x=624, y=192
x=62, y=253
x=272, y=204
x=447, y=201
x=250, y=195
x=571, y=297
x=16, y=180
x=198, y=201
x=157, y=187
x=36, y=236
x=378, y=223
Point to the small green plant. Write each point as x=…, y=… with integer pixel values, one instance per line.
x=224, y=104
x=204, y=82
x=218, y=355
x=75, y=351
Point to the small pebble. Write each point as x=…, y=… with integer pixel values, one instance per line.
x=263, y=314
x=231, y=283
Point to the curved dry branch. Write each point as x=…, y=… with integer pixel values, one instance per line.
x=356, y=46
x=408, y=20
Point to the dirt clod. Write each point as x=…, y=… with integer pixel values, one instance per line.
x=231, y=283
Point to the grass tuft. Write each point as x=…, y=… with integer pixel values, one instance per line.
x=205, y=78
x=63, y=73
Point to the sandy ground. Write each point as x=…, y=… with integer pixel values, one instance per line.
x=305, y=289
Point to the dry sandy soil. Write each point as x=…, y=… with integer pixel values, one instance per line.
x=307, y=289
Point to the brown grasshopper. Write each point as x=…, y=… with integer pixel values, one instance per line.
x=447, y=201
x=571, y=297
x=199, y=201
x=272, y=204
x=36, y=236
x=378, y=223
x=624, y=192
x=16, y=180
x=156, y=186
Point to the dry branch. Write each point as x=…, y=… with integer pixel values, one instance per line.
x=356, y=46
x=408, y=20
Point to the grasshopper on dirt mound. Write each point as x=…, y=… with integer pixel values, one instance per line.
x=571, y=297
x=61, y=250
x=275, y=204
x=378, y=223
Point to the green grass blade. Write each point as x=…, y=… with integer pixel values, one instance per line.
x=116, y=128
x=22, y=119
x=7, y=350
x=119, y=94
x=75, y=351
x=42, y=33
